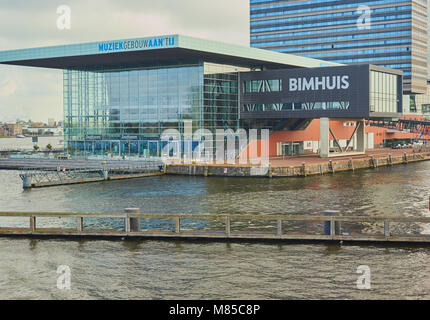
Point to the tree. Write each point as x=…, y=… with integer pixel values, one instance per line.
x=49, y=147
x=36, y=148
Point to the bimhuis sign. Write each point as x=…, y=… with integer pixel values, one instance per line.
x=347, y=86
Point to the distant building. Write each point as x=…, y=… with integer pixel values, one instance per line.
x=52, y=122
x=44, y=130
x=388, y=33
x=11, y=129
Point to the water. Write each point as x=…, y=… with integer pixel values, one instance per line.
x=202, y=270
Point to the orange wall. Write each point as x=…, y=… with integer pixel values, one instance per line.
x=312, y=133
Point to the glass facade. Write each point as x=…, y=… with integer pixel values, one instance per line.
x=383, y=92
x=124, y=111
x=387, y=33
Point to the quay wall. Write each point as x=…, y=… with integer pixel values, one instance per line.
x=324, y=167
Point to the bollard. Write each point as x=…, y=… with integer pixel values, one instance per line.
x=330, y=165
x=132, y=224
x=331, y=228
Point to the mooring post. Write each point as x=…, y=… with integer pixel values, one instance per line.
x=132, y=224
x=304, y=168
x=32, y=223
x=105, y=174
x=405, y=157
x=331, y=227
x=330, y=165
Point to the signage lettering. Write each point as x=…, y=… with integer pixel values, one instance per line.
x=319, y=83
x=164, y=42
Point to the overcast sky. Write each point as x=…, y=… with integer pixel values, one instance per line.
x=37, y=93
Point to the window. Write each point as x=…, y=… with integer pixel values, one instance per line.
x=263, y=86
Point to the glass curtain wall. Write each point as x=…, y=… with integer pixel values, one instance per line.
x=123, y=113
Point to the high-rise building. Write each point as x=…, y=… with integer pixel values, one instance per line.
x=389, y=33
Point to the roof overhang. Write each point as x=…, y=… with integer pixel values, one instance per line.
x=153, y=50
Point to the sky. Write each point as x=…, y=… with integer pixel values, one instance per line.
x=36, y=94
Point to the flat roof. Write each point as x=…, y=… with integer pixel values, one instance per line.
x=152, y=50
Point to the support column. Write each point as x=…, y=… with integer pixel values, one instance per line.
x=361, y=136
x=324, y=137
x=26, y=181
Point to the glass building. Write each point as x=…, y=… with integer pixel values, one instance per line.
x=388, y=33
x=123, y=112
x=121, y=96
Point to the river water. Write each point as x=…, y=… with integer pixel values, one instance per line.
x=201, y=270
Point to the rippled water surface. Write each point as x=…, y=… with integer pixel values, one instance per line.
x=200, y=270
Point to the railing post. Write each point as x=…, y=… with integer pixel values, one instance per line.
x=80, y=224
x=331, y=227
x=32, y=223
x=132, y=224
x=227, y=226
x=279, y=233
x=178, y=225
x=387, y=232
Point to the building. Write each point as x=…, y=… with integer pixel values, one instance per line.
x=388, y=33
x=43, y=130
x=52, y=122
x=11, y=129
x=121, y=97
